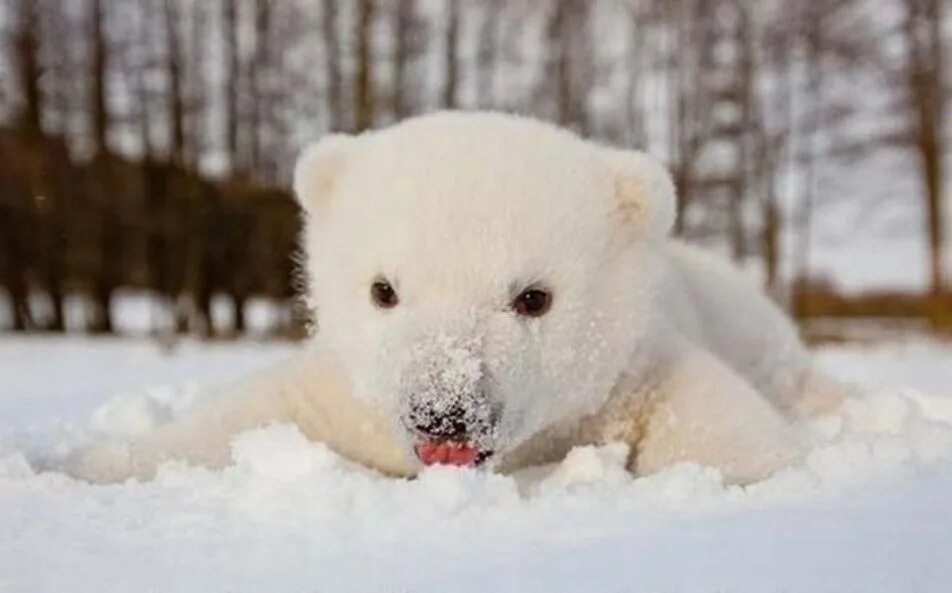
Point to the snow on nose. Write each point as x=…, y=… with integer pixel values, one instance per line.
x=446, y=404
x=452, y=424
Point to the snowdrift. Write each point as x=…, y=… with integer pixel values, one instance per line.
x=869, y=509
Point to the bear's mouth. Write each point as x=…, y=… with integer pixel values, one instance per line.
x=450, y=452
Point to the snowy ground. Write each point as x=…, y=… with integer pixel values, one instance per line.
x=869, y=511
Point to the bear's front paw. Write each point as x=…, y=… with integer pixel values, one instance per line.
x=101, y=462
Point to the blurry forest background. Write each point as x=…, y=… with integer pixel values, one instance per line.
x=146, y=145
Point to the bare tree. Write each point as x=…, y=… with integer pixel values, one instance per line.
x=198, y=87
x=829, y=37
x=230, y=24
x=634, y=129
x=17, y=204
x=174, y=71
x=256, y=73
x=364, y=75
x=925, y=84
x=29, y=70
x=98, y=76
x=487, y=54
x=332, y=65
x=62, y=101
x=566, y=78
x=688, y=42
x=451, y=43
x=138, y=70
x=15, y=218
x=407, y=44
x=108, y=276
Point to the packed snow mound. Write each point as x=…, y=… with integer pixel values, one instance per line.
x=866, y=510
x=877, y=436
x=291, y=515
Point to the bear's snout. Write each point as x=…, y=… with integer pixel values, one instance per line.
x=452, y=430
x=453, y=421
x=447, y=402
x=449, y=425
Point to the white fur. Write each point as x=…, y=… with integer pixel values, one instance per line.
x=648, y=341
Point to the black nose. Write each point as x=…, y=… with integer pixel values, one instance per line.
x=449, y=424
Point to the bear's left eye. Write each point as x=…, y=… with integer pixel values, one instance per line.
x=383, y=294
x=533, y=302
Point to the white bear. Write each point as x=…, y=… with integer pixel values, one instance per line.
x=493, y=290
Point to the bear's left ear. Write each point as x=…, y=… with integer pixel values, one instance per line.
x=645, y=192
x=319, y=167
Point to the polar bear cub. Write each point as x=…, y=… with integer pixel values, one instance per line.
x=492, y=290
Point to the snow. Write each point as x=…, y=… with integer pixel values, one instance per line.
x=43, y=378
x=866, y=511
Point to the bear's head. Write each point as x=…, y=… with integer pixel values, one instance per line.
x=481, y=276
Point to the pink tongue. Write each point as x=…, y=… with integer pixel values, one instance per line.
x=445, y=452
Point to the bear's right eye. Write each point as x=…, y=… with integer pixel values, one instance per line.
x=532, y=302
x=383, y=294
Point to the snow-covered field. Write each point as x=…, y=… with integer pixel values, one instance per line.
x=869, y=510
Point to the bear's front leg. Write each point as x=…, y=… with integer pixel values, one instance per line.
x=202, y=435
x=703, y=411
x=309, y=390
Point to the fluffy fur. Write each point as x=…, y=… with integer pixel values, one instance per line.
x=648, y=341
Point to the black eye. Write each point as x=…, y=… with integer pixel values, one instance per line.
x=383, y=294
x=532, y=302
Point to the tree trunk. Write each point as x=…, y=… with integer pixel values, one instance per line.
x=99, y=95
x=332, y=61
x=451, y=56
x=815, y=97
x=363, y=77
x=770, y=239
x=405, y=41
x=14, y=217
x=683, y=134
x=176, y=97
x=232, y=59
x=925, y=62
x=27, y=47
x=487, y=56
x=238, y=303
x=258, y=102
x=54, y=265
x=110, y=247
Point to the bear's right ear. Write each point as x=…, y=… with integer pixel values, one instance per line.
x=318, y=168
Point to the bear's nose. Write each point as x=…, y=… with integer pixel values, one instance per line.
x=449, y=424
